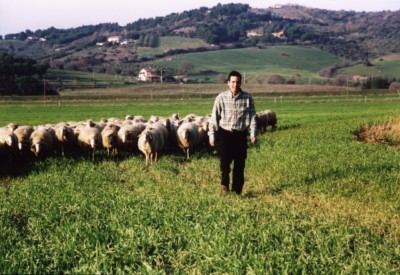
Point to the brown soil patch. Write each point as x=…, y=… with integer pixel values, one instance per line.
x=384, y=133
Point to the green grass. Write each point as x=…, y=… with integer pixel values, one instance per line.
x=65, y=79
x=288, y=61
x=386, y=68
x=315, y=200
x=171, y=43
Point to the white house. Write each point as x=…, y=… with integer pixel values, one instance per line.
x=114, y=39
x=148, y=75
x=254, y=34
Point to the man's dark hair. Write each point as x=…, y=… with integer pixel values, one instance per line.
x=234, y=73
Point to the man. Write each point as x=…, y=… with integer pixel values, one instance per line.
x=232, y=117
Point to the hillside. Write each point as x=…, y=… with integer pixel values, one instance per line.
x=124, y=50
x=291, y=62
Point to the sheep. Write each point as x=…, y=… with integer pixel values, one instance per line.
x=190, y=117
x=89, y=139
x=23, y=134
x=266, y=118
x=128, y=136
x=188, y=137
x=203, y=132
x=42, y=141
x=151, y=143
x=8, y=144
x=174, y=117
x=110, y=138
x=139, y=119
x=64, y=137
x=164, y=126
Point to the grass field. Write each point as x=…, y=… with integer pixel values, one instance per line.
x=302, y=63
x=171, y=43
x=315, y=201
x=65, y=79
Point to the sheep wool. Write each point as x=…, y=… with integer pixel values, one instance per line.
x=265, y=119
x=128, y=136
x=23, y=134
x=89, y=139
x=8, y=143
x=42, y=140
x=110, y=138
x=188, y=137
x=150, y=143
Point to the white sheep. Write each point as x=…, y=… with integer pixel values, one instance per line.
x=109, y=136
x=8, y=144
x=203, y=131
x=128, y=136
x=42, y=141
x=139, y=119
x=265, y=119
x=188, y=137
x=64, y=137
x=89, y=139
x=151, y=143
x=162, y=125
x=23, y=134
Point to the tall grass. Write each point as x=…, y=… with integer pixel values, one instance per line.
x=315, y=200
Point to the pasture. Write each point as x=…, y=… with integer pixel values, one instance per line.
x=315, y=199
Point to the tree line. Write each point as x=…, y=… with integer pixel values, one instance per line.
x=21, y=76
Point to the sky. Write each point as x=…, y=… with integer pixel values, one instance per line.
x=21, y=15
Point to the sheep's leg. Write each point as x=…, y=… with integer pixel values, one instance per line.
x=93, y=154
x=187, y=153
x=155, y=156
x=147, y=158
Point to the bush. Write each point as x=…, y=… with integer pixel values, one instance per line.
x=276, y=79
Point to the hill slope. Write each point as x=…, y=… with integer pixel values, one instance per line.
x=289, y=61
x=110, y=48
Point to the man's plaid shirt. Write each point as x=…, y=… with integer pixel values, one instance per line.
x=233, y=113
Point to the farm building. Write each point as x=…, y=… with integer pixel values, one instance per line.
x=148, y=75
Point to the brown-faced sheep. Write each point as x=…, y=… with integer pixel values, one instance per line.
x=188, y=137
x=265, y=119
x=151, y=143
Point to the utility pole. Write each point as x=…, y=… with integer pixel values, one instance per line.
x=44, y=92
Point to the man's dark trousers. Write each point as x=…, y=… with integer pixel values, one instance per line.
x=233, y=147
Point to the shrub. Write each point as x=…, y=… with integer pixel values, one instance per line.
x=276, y=79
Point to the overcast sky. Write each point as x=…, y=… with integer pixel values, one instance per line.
x=20, y=15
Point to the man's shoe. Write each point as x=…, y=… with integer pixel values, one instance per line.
x=224, y=189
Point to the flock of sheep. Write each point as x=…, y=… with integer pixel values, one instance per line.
x=132, y=134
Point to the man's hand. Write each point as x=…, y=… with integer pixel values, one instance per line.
x=212, y=141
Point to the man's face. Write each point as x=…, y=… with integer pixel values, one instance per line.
x=234, y=84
